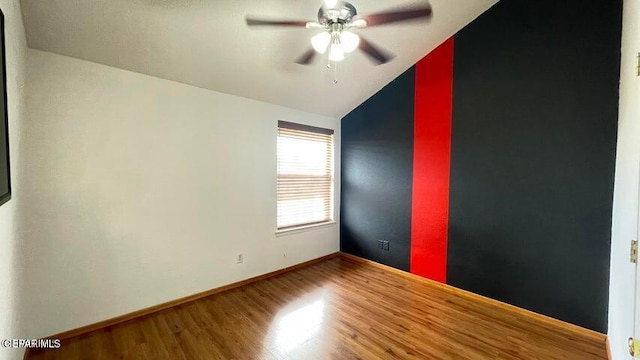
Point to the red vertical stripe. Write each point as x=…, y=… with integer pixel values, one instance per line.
x=431, y=160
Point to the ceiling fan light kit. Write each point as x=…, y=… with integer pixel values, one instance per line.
x=341, y=42
x=337, y=18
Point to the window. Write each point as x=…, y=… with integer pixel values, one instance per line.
x=305, y=175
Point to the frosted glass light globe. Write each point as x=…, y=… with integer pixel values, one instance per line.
x=336, y=53
x=320, y=42
x=349, y=41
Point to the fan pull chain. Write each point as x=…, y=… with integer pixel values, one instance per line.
x=335, y=70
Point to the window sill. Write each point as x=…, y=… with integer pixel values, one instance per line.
x=304, y=228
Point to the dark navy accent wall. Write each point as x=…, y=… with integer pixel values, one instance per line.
x=377, y=168
x=533, y=153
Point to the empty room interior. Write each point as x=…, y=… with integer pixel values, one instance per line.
x=319, y=179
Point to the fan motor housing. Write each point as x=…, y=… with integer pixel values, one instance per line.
x=342, y=13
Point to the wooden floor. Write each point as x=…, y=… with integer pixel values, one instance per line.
x=335, y=309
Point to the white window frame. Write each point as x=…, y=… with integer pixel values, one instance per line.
x=312, y=131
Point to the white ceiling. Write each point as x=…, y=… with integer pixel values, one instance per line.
x=206, y=43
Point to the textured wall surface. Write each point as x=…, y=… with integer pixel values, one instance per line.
x=377, y=156
x=530, y=181
x=141, y=190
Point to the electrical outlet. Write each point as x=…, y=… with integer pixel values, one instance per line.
x=385, y=246
x=239, y=258
x=380, y=244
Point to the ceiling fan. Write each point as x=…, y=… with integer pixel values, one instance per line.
x=337, y=18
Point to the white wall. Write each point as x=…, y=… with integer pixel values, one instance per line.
x=140, y=190
x=11, y=245
x=625, y=202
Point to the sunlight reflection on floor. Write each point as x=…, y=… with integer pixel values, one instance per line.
x=298, y=323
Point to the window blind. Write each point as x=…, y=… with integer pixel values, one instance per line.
x=305, y=175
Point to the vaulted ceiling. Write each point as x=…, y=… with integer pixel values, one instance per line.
x=206, y=43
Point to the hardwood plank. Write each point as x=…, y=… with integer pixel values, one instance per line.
x=338, y=308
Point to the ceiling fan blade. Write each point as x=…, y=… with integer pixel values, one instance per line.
x=399, y=15
x=307, y=57
x=376, y=53
x=264, y=22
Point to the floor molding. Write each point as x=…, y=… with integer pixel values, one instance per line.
x=578, y=330
x=187, y=299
